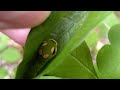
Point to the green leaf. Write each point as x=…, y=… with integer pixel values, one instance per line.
x=57, y=27
x=101, y=32
x=10, y=55
x=108, y=58
x=3, y=42
x=77, y=64
x=49, y=77
x=97, y=71
x=3, y=73
x=93, y=19
x=93, y=38
x=107, y=22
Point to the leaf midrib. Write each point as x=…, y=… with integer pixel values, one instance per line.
x=71, y=25
x=83, y=65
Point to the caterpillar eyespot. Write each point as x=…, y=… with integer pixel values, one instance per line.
x=52, y=50
x=44, y=44
x=45, y=56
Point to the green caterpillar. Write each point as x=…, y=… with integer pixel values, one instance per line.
x=46, y=51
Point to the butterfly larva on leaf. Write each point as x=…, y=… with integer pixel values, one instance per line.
x=48, y=49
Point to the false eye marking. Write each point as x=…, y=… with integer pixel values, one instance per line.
x=44, y=44
x=53, y=50
x=45, y=56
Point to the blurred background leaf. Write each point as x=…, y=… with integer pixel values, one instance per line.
x=108, y=57
x=99, y=36
x=3, y=41
x=10, y=55
x=3, y=73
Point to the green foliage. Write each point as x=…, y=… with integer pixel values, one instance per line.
x=50, y=77
x=73, y=32
x=69, y=29
x=78, y=38
x=77, y=64
x=3, y=42
x=102, y=30
x=10, y=55
x=61, y=23
x=3, y=73
x=108, y=58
